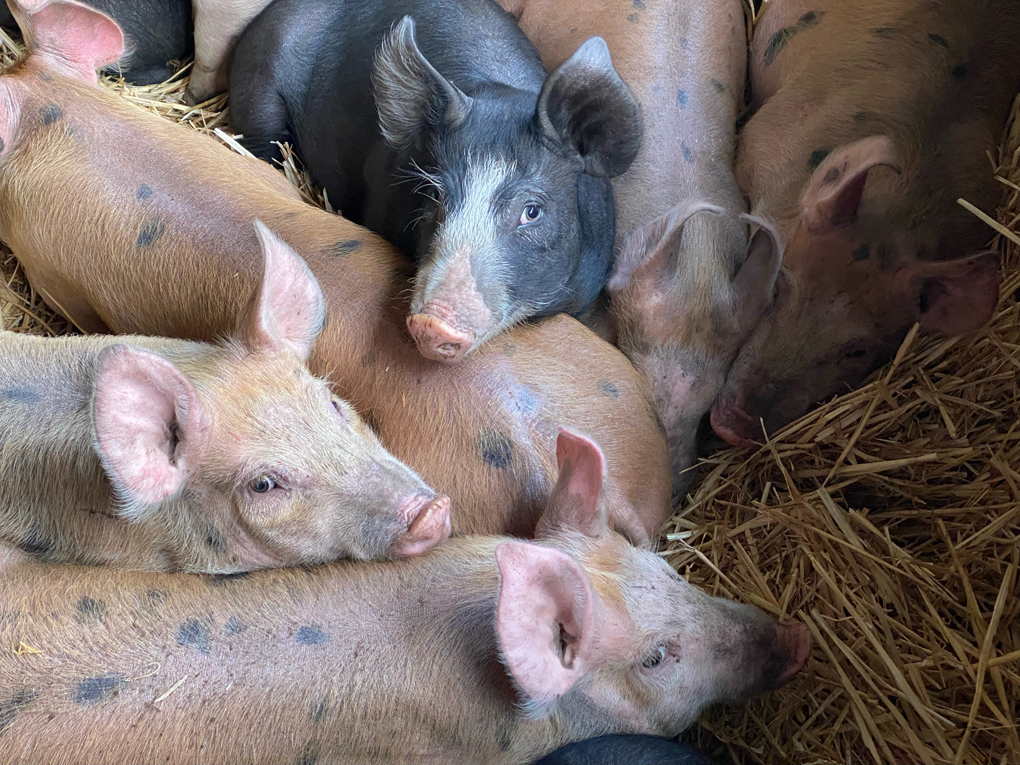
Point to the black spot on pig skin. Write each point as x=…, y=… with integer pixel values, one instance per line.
x=495, y=449
x=215, y=541
x=633, y=18
x=150, y=233
x=319, y=709
x=309, y=754
x=37, y=545
x=10, y=709
x=686, y=151
x=144, y=191
x=310, y=635
x=194, y=634
x=92, y=690
x=90, y=611
x=639, y=4
x=154, y=597
x=50, y=114
x=1, y=144
x=718, y=86
x=345, y=247
x=20, y=395
x=779, y=40
x=862, y=252
x=938, y=40
x=682, y=98
x=606, y=388
x=817, y=157
x=234, y=626
x=959, y=72
x=885, y=32
x=44, y=76
x=218, y=580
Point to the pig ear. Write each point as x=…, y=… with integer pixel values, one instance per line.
x=577, y=501
x=148, y=425
x=288, y=310
x=956, y=296
x=585, y=103
x=652, y=249
x=834, y=192
x=544, y=620
x=410, y=94
x=755, y=282
x=70, y=33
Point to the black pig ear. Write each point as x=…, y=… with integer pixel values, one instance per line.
x=586, y=104
x=410, y=94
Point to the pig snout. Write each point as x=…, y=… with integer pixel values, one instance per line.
x=735, y=426
x=793, y=646
x=428, y=524
x=438, y=333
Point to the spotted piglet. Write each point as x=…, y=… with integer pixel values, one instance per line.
x=169, y=455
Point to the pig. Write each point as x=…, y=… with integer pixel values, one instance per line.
x=691, y=279
x=171, y=455
x=487, y=649
x=218, y=24
x=867, y=134
x=432, y=122
x=127, y=222
x=155, y=33
x=626, y=749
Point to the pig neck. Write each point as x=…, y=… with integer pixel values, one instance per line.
x=57, y=503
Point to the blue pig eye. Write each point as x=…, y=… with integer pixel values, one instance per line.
x=261, y=484
x=531, y=214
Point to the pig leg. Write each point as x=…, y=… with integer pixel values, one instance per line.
x=218, y=23
x=59, y=295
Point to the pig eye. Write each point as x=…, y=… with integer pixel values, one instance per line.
x=655, y=658
x=261, y=484
x=856, y=353
x=531, y=214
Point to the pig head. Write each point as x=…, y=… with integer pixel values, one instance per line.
x=605, y=637
x=865, y=191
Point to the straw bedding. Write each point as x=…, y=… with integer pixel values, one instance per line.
x=888, y=520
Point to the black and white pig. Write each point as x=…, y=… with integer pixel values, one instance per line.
x=433, y=123
x=155, y=33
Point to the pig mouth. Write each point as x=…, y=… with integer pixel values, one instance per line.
x=794, y=640
x=428, y=524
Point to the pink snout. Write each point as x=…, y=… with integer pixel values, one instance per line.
x=439, y=335
x=794, y=640
x=428, y=525
x=735, y=426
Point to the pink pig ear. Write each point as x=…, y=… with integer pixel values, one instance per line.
x=956, y=296
x=148, y=424
x=70, y=33
x=288, y=311
x=577, y=501
x=543, y=619
x=834, y=192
